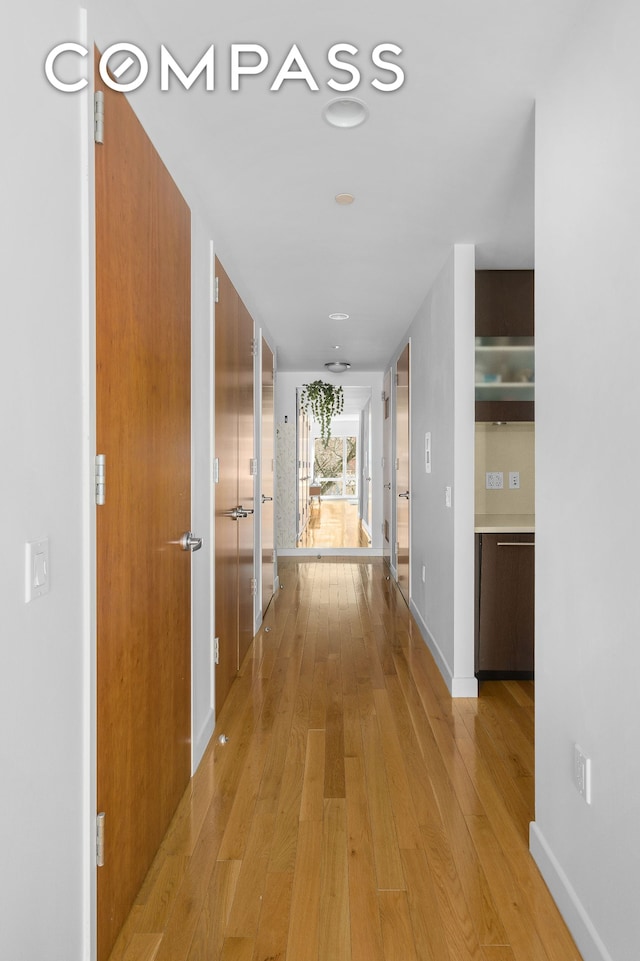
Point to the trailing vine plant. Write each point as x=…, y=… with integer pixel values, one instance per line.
x=323, y=401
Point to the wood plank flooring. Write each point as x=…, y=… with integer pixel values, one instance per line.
x=333, y=524
x=355, y=812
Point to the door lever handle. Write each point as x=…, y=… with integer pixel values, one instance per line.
x=265, y=498
x=245, y=511
x=235, y=514
x=189, y=542
x=404, y=494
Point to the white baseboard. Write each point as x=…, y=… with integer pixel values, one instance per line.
x=201, y=740
x=563, y=893
x=458, y=686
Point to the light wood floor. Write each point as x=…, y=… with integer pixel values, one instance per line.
x=356, y=812
x=333, y=524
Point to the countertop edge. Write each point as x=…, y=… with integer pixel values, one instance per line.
x=505, y=524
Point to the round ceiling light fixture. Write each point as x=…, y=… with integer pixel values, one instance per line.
x=344, y=199
x=338, y=316
x=338, y=366
x=345, y=112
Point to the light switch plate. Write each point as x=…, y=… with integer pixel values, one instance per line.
x=37, y=573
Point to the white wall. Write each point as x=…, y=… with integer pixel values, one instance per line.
x=442, y=402
x=587, y=503
x=45, y=660
x=285, y=403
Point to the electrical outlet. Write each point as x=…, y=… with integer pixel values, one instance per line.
x=582, y=772
x=514, y=480
x=494, y=480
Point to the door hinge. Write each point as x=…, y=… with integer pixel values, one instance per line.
x=216, y=470
x=216, y=290
x=254, y=347
x=101, y=479
x=216, y=650
x=254, y=586
x=253, y=466
x=383, y=396
x=100, y=839
x=397, y=463
x=273, y=556
x=98, y=117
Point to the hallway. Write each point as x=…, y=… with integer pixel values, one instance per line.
x=356, y=812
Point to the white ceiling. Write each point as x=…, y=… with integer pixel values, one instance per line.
x=446, y=158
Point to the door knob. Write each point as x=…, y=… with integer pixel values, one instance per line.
x=404, y=494
x=189, y=542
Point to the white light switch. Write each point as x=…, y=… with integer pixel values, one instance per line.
x=37, y=574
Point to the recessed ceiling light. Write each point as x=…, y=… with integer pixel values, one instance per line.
x=345, y=112
x=338, y=366
x=338, y=316
x=337, y=347
x=344, y=199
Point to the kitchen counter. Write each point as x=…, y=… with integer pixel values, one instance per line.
x=505, y=524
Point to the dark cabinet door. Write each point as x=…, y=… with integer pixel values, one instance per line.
x=504, y=309
x=505, y=636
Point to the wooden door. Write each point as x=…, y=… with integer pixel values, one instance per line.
x=403, y=509
x=143, y=376
x=234, y=449
x=387, y=471
x=266, y=481
x=246, y=481
x=226, y=528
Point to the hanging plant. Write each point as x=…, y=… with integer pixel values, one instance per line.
x=323, y=401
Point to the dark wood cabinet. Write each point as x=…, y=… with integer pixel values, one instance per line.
x=504, y=345
x=505, y=566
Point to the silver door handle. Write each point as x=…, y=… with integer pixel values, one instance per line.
x=265, y=498
x=235, y=514
x=189, y=542
x=405, y=494
x=245, y=511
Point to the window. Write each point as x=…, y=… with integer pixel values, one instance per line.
x=335, y=466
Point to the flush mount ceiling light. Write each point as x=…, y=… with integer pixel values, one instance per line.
x=344, y=199
x=338, y=366
x=345, y=112
x=338, y=316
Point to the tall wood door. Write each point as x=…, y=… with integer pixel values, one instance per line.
x=403, y=509
x=266, y=480
x=387, y=469
x=143, y=377
x=247, y=587
x=234, y=424
x=226, y=528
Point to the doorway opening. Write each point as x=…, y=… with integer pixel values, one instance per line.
x=334, y=492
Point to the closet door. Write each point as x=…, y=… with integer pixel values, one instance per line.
x=267, y=478
x=226, y=527
x=234, y=419
x=403, y=507
x=143, y=411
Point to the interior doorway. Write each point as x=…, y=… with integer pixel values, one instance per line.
x=334, y=491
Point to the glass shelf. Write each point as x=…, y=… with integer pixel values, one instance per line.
x=505, y=368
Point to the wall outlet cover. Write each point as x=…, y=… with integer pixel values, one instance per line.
x=494, y=480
